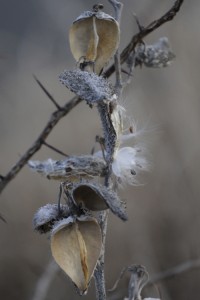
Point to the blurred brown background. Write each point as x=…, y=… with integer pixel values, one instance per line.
x=164, y=224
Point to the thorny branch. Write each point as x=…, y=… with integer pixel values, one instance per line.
x=43, y=284
x=175, y=271
x=54, y=119
x=137, y=38
x=63, y=111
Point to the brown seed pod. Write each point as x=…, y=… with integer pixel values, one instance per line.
x=94, y=39
x=76, y=245
x=97, y=197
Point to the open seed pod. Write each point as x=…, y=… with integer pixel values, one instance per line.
x=97, y=197
x=47, y=215
x=94, y=39
x=71, y=168
x=76, y=245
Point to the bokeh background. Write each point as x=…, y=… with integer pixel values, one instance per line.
x=164, y=212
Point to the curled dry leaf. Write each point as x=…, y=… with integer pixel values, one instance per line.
x=97, y=197
x=76, y=245
x=94, y=39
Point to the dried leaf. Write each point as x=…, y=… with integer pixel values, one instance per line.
x=94, y=38
x=76, y=246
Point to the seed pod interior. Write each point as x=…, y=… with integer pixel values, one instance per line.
x=88, y=197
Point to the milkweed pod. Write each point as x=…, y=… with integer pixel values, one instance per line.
x=88, y=86
x=47, y=215
x=70, y=168
x=94, y=39
x=76, y=244
x=97, y=197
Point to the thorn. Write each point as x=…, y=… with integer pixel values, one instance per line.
x=140, y=27
x=55, y=149
x=126, y=72
x=133, y=172
x=47, y=93
x=3, y=219
x=1, y=178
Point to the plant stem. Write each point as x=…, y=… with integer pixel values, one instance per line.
x=99, y=271
x=110, y=142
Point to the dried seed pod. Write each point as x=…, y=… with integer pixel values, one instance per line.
x=158, y=55
x=97, y=197
x=47, y=215
x=94, y=39
x=88, y=86
x=76, y=245
x=70, y=168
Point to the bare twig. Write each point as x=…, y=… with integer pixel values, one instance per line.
x=177, y=270
x=43, y=284
x=55, y=117
x=137, y=38
x=2, y=219
x=118, y=9
x=99, y=274
x=55, y=149
x=47, y=93
x=118, y=280
x=118, y=6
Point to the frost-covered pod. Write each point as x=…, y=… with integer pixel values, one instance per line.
x=76, y=244
x=94, y=39
x=71, y=168
x=157, y=55
x=47, y=215
x=88, y=86
x=97, y=197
